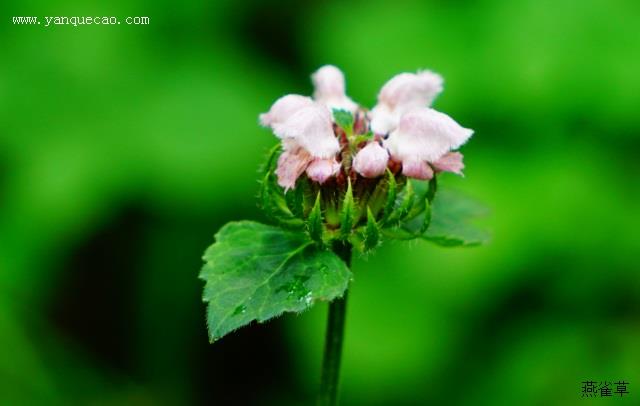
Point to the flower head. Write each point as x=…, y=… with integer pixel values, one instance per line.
x=350, y=168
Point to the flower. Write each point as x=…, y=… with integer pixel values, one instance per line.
x=291, y=164
x=329, y=85
x=310, y=127
x=401, y=94
x=371, y=161
x=425, y=135
x=283, y=108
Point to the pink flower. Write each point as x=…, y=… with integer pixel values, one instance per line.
x=371, y=161
x=322, y=169
x=426, y=135
x=283, y=108
x=291, y=164
x=311, y=128
x=402, y=93
x=329, y=85
x=450, y=162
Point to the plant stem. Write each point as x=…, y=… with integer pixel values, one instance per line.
x=333, y=342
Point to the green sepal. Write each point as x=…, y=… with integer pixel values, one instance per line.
x=403, y=207
x=371, y=232
x=391, y=197
x=314, y=222
x=344, y=119
x=348, y=212
x=426, y=221
x=433, y=188
x=271, y=198
x=295, y=199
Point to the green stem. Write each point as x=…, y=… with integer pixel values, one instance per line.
x=333, y=342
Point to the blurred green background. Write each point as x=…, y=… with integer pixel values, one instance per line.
x=124, y=148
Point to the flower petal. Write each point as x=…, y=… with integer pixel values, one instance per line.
x=408, y=90
x=291, y=164
x=417, y=169
x=371, y=161
x=450, y=162
x=383, y=120
x=329, y=85
x=322, y=169
x=402, y=93
x=426, y=135
x=283, y=108
x=312, y=129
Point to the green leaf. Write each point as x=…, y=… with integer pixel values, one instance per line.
x=254, y=272
x=344, y=119
x=371, y=232
x=452, y=220
x=348, y=212
x=314, y=222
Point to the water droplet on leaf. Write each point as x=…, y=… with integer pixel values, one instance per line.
x=240, y=310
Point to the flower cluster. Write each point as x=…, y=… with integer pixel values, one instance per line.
x=345, y=173
x=401, y=132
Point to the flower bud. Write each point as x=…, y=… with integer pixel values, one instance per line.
x=329, y=85
x=371, y=161
x=322, y=169
x=283, y=108
x=450, y=162
x=311, y=128
x=291, y=164
x=426, y=135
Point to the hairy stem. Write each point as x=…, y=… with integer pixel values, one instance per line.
x=333, y=342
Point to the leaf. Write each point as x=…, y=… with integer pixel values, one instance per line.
x=314, y=222
x=256, y=272
x=344, y=119
x=451, y=220
x=347, y=214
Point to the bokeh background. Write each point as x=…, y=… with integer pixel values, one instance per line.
x=124, y=148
